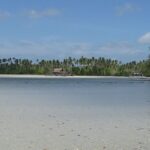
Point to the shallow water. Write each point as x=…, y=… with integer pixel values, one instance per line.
x=109, y=107
x=110, y=92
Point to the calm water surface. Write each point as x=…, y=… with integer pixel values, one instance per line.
x=76, y=92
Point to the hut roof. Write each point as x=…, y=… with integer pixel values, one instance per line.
x=57, y=70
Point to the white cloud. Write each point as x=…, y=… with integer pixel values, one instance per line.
x=4, y=14
x=32, y=13
x=126, y=8
x=61, y=49
x=145, y=39
x=45, y=13
x=121, y=48
x=123, y=51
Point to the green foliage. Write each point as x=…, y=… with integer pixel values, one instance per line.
x=82, y=66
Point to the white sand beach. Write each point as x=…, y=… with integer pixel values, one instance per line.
x=52, y=56
x=57, y=77
x=67, y=129
x=31, y=118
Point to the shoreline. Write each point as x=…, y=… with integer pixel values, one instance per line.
x=69, y=77
x=74, y=114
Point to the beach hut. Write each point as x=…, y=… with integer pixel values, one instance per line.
x=58, y=71
x=137, y=74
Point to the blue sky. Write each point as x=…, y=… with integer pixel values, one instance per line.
x=118, y=29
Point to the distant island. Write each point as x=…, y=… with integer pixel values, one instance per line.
x=78, y=67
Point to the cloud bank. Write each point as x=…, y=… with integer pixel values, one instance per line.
x=145, y=39
x=62, y=49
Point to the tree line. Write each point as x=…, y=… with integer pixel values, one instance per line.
x=73, y=66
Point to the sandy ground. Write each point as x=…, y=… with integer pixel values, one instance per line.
x=30, y=126
x=44, y=128
x=86, y=77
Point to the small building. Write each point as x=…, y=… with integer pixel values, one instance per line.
x=58, y=71
x=137, y=74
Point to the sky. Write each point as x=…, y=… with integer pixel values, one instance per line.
x=56, y=29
